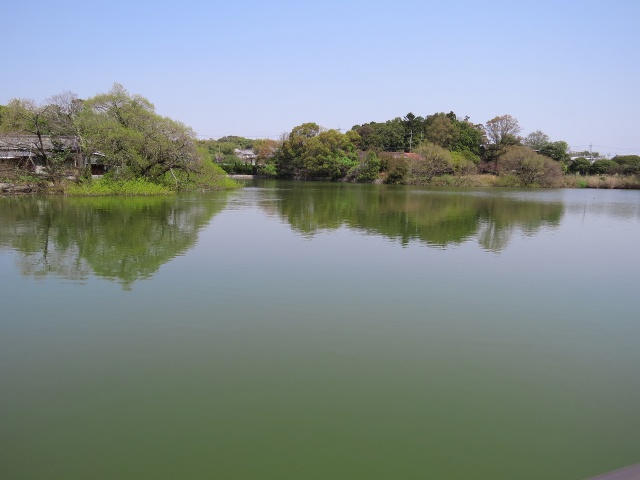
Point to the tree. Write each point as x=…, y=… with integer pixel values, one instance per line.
x=447, y=131
x=602, y=166
x=503, y=130
x=470, y=138
x=369, y=169
x=264, y=149
x=531, y=168
x=388, y=136
x=441, y=130
x=50, y=129
x=310, y=151
x=536, y=140
x=628, y=164
x=580, y=165
x=555, y=150
x=412, y=128
x=132, y=137
x=432, y=161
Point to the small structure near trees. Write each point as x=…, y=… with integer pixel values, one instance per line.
x=38, y=153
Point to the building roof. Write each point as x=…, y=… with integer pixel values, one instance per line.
x=23, y=144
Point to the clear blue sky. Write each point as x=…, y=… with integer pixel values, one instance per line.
x=257, y=69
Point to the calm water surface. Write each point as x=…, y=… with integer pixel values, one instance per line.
x=321, y=331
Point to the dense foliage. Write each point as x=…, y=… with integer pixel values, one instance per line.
x=121, y=132
x=311, y=152
x=135, y=142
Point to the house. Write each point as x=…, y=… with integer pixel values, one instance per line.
x=27, y=152
x=247, y=156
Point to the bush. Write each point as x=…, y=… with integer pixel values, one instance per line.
x=580, y=165
x=397, y=168
x=464, y=163
x=268, y=170
x=600, y=167
x=239, y=168
x=531, y=168
x=432, y=161
x=369, y=169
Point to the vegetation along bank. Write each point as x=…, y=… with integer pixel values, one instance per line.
x=116, y=144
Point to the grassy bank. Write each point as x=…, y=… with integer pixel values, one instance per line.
x=601, y=181
x=210, y=177
x=107, y=186
x=512, y=181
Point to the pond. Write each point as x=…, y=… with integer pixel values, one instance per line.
x=317, y=330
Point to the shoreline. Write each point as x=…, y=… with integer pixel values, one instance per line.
x=597, y=182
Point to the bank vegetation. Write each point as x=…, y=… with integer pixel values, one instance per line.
x=112, y=143
x=115, y=143
x=438, y=150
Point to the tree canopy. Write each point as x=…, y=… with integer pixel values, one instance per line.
x=310, y=151
x=128, y=132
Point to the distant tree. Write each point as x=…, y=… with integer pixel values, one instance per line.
x=441, y=130
x=388, y=136
x=602, y=166
x=432, y=161
x=536, y=140
x=503, y=130
x=264, y=149
x=464, y=163
x=531, y=168
x=241, y=143
x=627, y=164
x=412, y=129
x=310, y=151
x=396, y=167
x=555, y=150
x=580, y=165
x=369, y=168
x=470, y=138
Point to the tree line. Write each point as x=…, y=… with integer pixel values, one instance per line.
x=437, y=149
x=119, y=130
x=129, y=137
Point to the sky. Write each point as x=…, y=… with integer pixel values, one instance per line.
x=257, y=69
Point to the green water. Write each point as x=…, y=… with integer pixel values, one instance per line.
x=320, y=331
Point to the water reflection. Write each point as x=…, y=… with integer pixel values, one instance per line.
x=122, y=239
x=437, y=218
x=128, y=239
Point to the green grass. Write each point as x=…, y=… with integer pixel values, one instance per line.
x=107, y=186
x=209, y=177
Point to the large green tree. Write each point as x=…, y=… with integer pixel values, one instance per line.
x=388, y=136
x=133, y=137
x=447, y=131
x=310, y=151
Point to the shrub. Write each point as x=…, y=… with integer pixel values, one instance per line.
x=580, y=165
x=397, y=168
x=531, y=168
x=600, y=167
x=369, y=169
x=432, y=161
